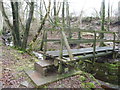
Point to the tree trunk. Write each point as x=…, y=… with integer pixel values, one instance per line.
x=5, y=16
x=119, y=25
x=108, y=21
x=55, y=16
x=103, y=23
x=42, y=24
x=28, y=22
x=17, y=41
x=1, y=23
x=41, y=10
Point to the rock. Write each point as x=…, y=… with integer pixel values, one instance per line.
x=1, y=85
x=0, y=69
x=24, y=84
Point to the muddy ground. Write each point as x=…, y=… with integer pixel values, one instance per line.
x=14, y=62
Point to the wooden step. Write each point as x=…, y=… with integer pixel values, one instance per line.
x=40, y=80
x=43, y=66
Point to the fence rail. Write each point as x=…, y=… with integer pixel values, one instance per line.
x=64, y=40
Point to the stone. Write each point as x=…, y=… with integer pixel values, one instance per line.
x=40, y=80
x=24, y=84
x=1, y=85
x=42, y=66
x=0, y=69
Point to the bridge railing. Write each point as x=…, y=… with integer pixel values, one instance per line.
x=78, y=40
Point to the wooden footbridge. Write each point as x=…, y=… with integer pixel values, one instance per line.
x=46, y=70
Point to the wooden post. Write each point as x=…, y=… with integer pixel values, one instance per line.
x=67, y=45
x=45, y=43
x=114, y=41
x=79, y=35
x=94, y=46
x=61, y=49
x=63, y=22
x=42, y=41
x=60, y=68
x=114, y=45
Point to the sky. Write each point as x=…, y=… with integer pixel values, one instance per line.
x=89, y=6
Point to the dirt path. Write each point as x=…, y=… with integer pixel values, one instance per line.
x=13, y=64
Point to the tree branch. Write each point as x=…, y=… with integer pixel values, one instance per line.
x=5, y=16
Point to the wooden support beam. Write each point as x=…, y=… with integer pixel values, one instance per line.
x=81, y=41
x=114, y=46
x=45, y=43
x=94, y=46
x=61, y=49
x=79, y=30
x=77, y=58
x=67, y=45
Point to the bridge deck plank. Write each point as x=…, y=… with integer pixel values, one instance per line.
x=79, y=51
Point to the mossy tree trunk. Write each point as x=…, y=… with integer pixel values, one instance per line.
x=15, y=27
x=108, y=21
x=41, y=10
x=55, y=14
x=119, y=25
x=42, y=23
x=68, y=19
x=17, y=41
x=102, y=23
x=28, y=22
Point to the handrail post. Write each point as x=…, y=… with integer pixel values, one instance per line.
x=94, y=46
x=79, y=35
x=114, y=41
x=114, y=45
x=61, y=47
x=45, y=43
x=67, y=45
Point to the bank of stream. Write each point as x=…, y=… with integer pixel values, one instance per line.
x=106, y=70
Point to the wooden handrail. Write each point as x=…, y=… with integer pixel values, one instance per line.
x=79, y=30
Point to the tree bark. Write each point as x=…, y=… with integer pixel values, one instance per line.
x=103, y=23
x=55, y=16
x=28, y=22
x=17, y=41
x=119, y=25
x=5, y=16
x=42, y=23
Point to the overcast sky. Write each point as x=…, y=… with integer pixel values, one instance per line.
x=88, y=6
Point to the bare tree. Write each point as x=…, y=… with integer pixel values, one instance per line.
x=17, y=41
x=15, y=27
x=119, y=25
x=42, y=23
x=102, y=22
x=28, y=22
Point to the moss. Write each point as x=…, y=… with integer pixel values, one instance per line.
x=82, y=78
x=45, y=86
x=89, y=85
x=19, y=51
